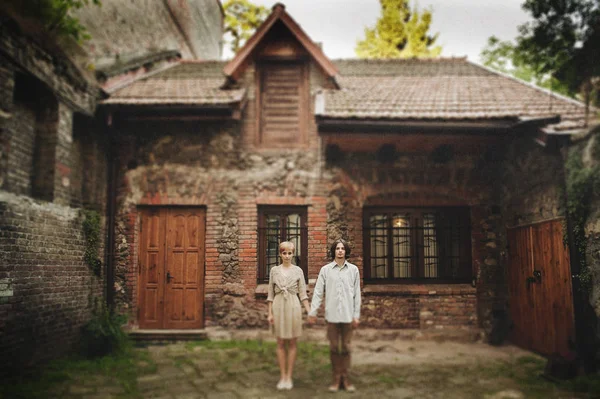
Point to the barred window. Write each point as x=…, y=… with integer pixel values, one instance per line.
x=277, y=224
x=417, y=245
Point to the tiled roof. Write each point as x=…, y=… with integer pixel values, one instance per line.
x=441, y=89
x=186, y=83
x=432, y=89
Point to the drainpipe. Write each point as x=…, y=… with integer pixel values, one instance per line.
x=111, y=206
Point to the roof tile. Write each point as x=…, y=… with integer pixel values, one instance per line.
x=443, y=88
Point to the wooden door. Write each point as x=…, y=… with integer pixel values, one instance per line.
x=172, y=268
x=541, y=300
x=151, y=264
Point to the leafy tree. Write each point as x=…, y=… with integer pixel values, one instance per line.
x=504, y=56
x=564, y=40
x=55, y=15
x=399, y=33
x=242, y=18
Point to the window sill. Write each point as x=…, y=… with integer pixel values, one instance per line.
x=261, y=291
x=419, y=289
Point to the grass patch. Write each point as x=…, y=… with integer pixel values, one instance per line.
x=585, y=384
x=390, y=381
x=56, y=377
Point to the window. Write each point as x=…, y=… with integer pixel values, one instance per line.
x=417, y=245
x=277, y=224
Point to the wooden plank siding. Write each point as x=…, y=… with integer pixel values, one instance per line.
x=541, y=309
x=283, y=101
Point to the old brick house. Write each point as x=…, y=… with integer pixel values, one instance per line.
x=444, y=176
x=54, y=159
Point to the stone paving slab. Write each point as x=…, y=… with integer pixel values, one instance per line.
x=394, y=367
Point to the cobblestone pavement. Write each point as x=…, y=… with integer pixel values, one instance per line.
x=387, y=364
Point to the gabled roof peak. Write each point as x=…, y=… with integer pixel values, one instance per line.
x=237, y=65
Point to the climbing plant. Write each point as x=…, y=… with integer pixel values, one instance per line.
x=56, y=15
x=583, y=181
x=91, y=230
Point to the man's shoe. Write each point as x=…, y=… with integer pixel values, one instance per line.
x=333, y=388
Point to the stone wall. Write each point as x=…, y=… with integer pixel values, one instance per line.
x=210, y=165
x=219, y=166
x=532, y=183
x=530, y=191
x=416, y=180
x=206, y=165
x=587, y=148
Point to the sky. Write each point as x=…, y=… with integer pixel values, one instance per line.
x=463, y=25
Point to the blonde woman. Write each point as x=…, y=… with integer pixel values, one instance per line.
x=287, y=289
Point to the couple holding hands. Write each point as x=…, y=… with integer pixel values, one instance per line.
x=340, y=280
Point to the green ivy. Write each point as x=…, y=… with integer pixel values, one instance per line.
x=103, y=334
x=582, y=183
x=56, y=15
x=91, y=230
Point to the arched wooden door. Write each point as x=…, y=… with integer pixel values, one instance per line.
x=540, y=290
x=171, y=268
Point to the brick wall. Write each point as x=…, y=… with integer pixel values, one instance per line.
x=19, y=149
x=436, y=307
x=48, y=290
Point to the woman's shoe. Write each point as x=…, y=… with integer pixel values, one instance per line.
x=289, y=385
x=281, y=385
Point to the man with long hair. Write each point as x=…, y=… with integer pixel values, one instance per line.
x=340, y=281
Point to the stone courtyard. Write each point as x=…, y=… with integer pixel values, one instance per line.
x=387, y=364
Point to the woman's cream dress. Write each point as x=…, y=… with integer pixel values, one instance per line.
x=284, y=290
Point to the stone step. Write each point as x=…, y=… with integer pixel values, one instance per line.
x=167, y=335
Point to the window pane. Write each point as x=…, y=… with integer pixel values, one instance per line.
x=430, y=246
x=379, y=261
x=272, y=234
x=454, y=251
x=294, y=234
x=402, y=245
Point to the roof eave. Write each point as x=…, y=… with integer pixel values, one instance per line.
x=331, y=125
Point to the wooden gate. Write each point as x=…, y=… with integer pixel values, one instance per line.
x=540, y=294
x=171, y=268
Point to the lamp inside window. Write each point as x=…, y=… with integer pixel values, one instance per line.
x=400, y=222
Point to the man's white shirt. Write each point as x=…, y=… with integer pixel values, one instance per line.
x=342, y=288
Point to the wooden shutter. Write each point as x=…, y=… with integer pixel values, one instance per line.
x=282, y=103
